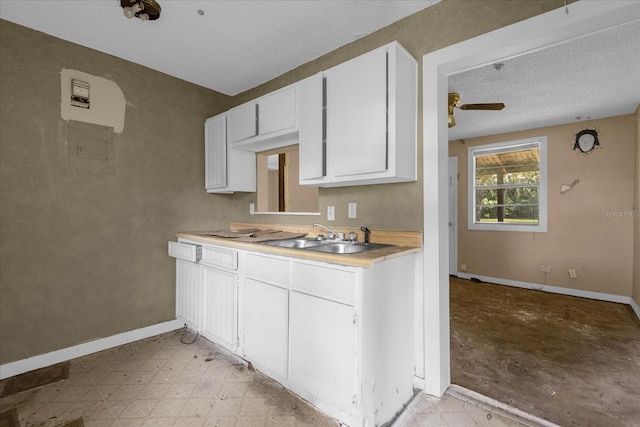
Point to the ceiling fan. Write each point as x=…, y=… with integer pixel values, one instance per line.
x=454, y=100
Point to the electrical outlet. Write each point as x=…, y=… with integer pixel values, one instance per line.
x=463, y=267
x=331, y=213
x=252, y=208
x=573, y=274
x=545, y=268
x=352, y=210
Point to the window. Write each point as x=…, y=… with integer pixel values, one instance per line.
x=508, y=186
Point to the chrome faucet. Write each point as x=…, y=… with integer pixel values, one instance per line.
x=366, y=234
x=332, y=234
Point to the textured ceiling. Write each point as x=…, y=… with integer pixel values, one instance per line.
x=236, y=45
x=233, y=46
x=591, y=77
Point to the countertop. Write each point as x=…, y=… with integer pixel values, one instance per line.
x=404, y=243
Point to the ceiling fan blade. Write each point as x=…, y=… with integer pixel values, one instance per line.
x=490, y=106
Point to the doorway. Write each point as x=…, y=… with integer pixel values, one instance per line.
x=558, y=26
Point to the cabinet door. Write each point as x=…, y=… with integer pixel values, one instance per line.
x=312, y=149
x=226, y=169
x=189, y=293
x=241, y=122
x=266, y=327
x=277, y=111
x=215, y=151
x=219, y=311
x=323, y=350
x=357, y=115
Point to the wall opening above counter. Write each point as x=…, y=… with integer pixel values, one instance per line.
x=278, y=183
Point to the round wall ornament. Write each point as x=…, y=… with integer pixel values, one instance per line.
x=586, y=140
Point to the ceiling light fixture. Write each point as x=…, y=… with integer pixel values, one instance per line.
x=147, y=10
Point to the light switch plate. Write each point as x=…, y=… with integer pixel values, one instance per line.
x=252, y=208
x=352, y=210
x=331, y=213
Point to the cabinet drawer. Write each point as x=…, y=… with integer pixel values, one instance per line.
x=325, y=282
x=267, y=268
x=185, y=251
x=220, y=257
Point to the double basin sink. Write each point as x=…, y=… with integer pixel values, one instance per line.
x=327, y=246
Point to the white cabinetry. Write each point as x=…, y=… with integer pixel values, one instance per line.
x=189, y=293
x=368, y=121
x=220, y=302
x=207, y=290
x=266, y=314
x=340, y=337
x=220, y=296
x=188, y=283
x=277, y=111
x=226, y=170
x=324, y=351
x=266, y=322
x=268, y=122
x=242, y=122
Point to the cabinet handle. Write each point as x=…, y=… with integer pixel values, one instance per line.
x=257, y=119
x=324, y=126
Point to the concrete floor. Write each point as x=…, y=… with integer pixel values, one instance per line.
x=572, y=361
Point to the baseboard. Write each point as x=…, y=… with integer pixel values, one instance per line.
x=634, y=305
x=497, y=407
x=36, y=362
x=548, y=288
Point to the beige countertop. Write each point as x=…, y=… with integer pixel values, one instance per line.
x=404, y=243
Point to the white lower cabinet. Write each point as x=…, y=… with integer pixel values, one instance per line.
x=323, y=352
x=189, y=293
x=341, y=337
x=350, y=333
x=220, y=317
x=266, y=327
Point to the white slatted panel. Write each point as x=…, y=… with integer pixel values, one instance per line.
x=219, y=323
x=189, y=293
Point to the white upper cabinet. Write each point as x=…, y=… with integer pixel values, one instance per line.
x=357, y=116
x=226, y=170
x=242, y=122
x=277, y=111
x=268, y=122
x=367, y=119
x=312, y=136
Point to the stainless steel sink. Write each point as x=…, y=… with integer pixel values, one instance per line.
x=328, y=246
x=296, y=243
x=347, y=247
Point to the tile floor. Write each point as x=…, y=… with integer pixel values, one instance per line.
x=163, y=382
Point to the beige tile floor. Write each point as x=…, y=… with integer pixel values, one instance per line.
x=163, y=382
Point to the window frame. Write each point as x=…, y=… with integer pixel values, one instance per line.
x=507, y=146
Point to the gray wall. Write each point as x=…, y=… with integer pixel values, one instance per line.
x=84, y=257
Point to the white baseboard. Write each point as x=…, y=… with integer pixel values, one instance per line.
x=489, y=404
x=634, y=305
x=601, y=296
x=43, y=360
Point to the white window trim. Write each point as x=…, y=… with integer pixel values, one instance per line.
x=541, y=227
